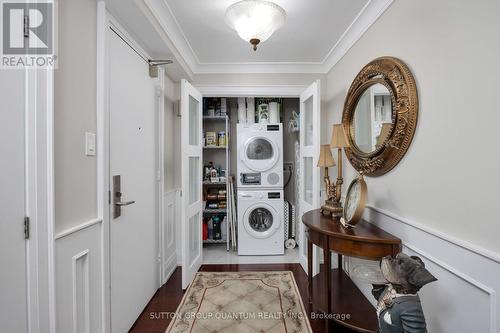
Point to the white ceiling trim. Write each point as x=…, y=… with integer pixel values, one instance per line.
x=211, y=90
x=361, y=23
x=183, y=51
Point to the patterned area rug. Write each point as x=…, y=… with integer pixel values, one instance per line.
x=241, y=302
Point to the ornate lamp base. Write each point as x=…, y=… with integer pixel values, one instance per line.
x=332, y=208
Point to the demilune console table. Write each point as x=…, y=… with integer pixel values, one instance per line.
x=332, y=291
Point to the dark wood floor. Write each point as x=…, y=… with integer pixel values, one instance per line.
x=154, y=319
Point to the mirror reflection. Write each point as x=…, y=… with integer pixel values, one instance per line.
x=373, y=120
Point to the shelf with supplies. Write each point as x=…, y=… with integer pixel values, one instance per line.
x=209, y=182
x=214, y=147
x=215, y=210
x=216, y=168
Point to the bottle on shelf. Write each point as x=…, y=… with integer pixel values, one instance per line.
x=216, y=228
x=210, y=228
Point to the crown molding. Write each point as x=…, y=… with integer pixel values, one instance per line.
x=160, y=12
x=232, y=90
x=361, y=23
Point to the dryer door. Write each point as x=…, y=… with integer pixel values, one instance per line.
x=259, y=154
x=261, y=220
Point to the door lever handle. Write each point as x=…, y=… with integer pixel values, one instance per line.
x=124, y=203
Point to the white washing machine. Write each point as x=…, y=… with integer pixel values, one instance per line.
x=260, y=222
x=260, y=155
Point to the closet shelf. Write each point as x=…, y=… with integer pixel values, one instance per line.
x=222, y=118
x=214, y=147
x=214, y=241
x=214, y=211
x=208, y=182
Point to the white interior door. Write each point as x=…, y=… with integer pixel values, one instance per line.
x=13, y=317
x=191, y=142
x=309, y=153
x=133, y=235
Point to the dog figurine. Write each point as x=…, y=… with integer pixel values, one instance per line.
x=399, y=309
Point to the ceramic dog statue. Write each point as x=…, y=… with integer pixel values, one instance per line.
x=399, y=309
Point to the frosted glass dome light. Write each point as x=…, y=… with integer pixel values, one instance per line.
x=255, y=20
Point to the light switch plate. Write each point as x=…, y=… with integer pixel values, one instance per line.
x=89, y=144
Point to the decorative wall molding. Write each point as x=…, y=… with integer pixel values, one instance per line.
x=81, y=292
x=77, y=228
x=160, y=14
x=446, y=237
x=169, y=239
x=79, y=285
x=462, y=272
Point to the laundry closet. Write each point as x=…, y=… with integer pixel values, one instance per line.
x=250, y=154
x=248, y=172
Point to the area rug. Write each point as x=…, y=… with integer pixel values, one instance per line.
x=241, y=302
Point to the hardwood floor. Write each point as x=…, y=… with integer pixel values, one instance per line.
x=154, y=318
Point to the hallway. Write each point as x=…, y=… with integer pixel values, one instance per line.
x=156, y=316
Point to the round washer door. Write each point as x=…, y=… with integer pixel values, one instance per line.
x=261, y=220
x=260, y=154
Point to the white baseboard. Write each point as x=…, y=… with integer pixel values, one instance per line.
x=465, y=297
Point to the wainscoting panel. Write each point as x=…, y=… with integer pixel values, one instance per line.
x=170, y=219
x=78, y=281
x=465, y=297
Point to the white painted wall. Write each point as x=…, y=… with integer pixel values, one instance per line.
x=75, y=114
x=441, y=198
x=447, y=179
x=78, y=247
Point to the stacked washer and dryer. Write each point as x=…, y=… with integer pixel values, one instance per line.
x=260, y=189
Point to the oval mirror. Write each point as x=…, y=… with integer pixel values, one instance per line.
x=380, y=116
x=373, y=118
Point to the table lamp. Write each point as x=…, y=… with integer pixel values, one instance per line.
x=339, y=141
x=325, y=161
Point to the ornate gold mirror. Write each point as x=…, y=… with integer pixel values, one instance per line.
x=380, y=116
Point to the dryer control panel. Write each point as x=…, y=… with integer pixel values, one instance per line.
x=250, y=178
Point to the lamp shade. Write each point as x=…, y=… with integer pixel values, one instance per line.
x=339, y=139
x=255, y=20
x=325, y=157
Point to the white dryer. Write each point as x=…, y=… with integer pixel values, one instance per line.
x=260, y=222
x=260, y=155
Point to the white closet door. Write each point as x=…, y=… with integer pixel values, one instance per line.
x=191, y=220
x=309, y=152
x=13, y=317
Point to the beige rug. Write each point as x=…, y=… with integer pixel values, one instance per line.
x=241, y=302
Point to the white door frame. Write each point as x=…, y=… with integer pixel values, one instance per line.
x=104, y=20
x=290, y=91
x=39, y=173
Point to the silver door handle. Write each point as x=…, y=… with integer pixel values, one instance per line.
x=124, y=203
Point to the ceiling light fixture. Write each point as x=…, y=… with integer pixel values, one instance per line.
x=255, y=20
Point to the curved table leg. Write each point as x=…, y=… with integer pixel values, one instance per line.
x=309, y=269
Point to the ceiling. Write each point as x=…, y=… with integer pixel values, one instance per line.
x=193, y=33
x=311, y=30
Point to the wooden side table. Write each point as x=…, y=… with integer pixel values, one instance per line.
x=332, y=291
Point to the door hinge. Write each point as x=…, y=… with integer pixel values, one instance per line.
x=109, y=197
x=26, y=227
x=26, y=26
